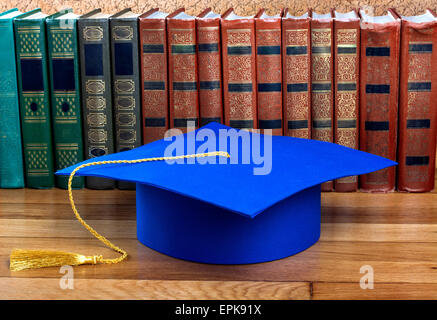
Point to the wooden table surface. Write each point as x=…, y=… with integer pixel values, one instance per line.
x=395, y=234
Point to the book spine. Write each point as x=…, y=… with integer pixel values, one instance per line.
x=154, y=82
x=296, y=55
x=347, y=72
x=269, y=74
x=65, y=97
x=126, y=84
x=183, y=80
x=210, y=71
x=11, y=156
x=95, y=69
x=322, y=78
x=417, y=117
x=239, y=73
x=34, y=102
x=379, y=100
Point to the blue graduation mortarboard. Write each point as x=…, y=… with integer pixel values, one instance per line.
x=265, y=207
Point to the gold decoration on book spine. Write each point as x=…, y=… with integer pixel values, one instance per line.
x=124, y=86
x=95, y=86
x=93, y=33
x=97, y=136
x=122, y=33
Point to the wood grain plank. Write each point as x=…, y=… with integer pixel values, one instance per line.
x=61, y=211
x=24, y=288
x=379, y=232
x=381, y=291
x=394, y=215
x=380, y=200
x=55, y=196
x=325, y=261
x=391, y=215
x=331, y=199
x=35, y=228
x=117, y=229
x=115, y=204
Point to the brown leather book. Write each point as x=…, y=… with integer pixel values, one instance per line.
x=182, y=71
x=417, y=98
x=239, y=70
x=210, y=67
x=296, y=82
x=269, y=72
x=322, y=80
x=346, y=94
x=154, y=82
x=379, y=88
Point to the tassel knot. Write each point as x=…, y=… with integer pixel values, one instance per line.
x=93, y=260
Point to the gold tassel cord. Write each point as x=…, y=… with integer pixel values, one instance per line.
x=32, y=259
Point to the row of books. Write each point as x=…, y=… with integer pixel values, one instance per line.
x=86, y=86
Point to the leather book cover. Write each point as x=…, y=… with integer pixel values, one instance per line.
x=95, y=69
x=65, y=93
x=296, y=71
x=417, y=98
x=322, y=80
x=11, y=154
x=379, y=84
x=154, y=79
x=182, y=70
x=34, y=91
x=125, y=83
x=269, y=72
x=210, y=67
x=346, y=94
x=239, y=70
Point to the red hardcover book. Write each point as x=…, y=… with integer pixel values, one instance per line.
x=154, y=84
x=346, y=94
x=269, y=72
x=379, y=88
x=417, y=103
x=296, y=83
x=182, y=70
x=239, y=70
x=210, y=67
x=322, y=80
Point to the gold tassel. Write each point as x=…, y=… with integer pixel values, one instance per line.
x=32, y=259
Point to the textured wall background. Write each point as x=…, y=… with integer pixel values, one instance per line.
x=242, y=7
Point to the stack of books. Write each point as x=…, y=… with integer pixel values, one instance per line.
x=78, y=87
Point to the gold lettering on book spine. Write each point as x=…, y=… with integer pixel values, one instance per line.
x=347, y=64
x=346, y=100
x=240, y=71
x=321, y=75
x=297, y=72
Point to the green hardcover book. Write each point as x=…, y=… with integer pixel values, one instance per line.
x=11, y=156
x=65, y=93
x=33, y=84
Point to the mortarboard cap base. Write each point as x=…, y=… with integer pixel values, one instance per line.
x=189, y=229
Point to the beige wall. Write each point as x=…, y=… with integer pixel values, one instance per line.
x=243, y=7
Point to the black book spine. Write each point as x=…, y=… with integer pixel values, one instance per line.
x=126, y=86
x=95, y=68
